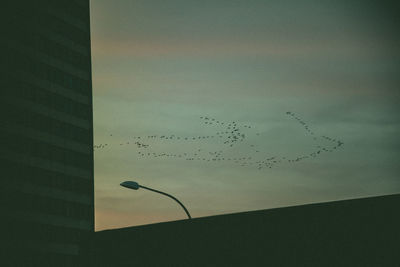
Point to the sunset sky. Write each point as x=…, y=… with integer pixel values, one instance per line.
x=160, y=68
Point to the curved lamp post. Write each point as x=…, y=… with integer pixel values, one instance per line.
x=136, y=186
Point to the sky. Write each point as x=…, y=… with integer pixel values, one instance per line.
x=234, y=106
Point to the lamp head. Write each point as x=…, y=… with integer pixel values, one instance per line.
x=130, y=184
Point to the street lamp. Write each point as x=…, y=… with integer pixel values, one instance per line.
x=136, y=186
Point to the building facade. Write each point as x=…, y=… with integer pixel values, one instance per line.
x=46, y=133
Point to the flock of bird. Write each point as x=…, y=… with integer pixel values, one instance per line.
x=229, y=135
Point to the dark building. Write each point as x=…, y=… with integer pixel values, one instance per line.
x=359, y=232
x=46, y=132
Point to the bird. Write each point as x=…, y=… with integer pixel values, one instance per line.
x=232, y=133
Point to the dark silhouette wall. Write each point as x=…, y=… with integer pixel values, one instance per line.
x=361, y=232
x=46, y=132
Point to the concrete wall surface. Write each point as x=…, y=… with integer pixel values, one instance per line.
x=359, y=232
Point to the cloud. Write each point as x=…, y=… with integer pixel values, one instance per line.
x=159, y=65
